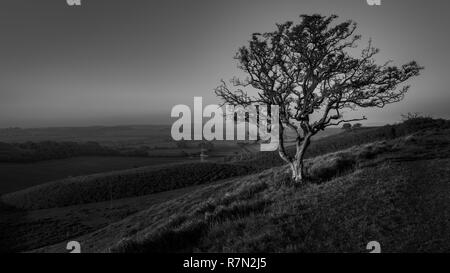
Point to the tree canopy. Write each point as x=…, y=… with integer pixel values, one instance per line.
x=309, y=71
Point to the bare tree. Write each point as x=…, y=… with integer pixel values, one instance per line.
x=309, y=71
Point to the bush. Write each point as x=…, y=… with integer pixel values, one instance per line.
x=329, y=166
x=347, y=126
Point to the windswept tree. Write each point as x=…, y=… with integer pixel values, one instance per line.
x=310, y=71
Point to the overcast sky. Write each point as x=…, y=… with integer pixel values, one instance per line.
x=128, y=62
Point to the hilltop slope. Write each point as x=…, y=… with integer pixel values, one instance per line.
x=395, y=192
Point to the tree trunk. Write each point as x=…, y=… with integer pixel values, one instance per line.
x=297, y=166
x=297, y=171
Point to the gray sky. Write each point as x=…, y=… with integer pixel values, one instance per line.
x=128, y=62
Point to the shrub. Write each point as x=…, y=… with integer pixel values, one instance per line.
x=347, y=126
x=329, y=166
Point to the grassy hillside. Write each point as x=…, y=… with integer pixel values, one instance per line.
x=120, y=184
x=392, y=188
x=395, y=192
x=19, y=176
x=348, y=139
x=22, y=230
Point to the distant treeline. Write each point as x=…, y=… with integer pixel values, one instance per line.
x=348, y=139
x=46, y=150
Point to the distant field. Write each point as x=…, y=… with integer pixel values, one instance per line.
x=151, y=135
x=161, y=149
x=156, y=136
x=17, y=176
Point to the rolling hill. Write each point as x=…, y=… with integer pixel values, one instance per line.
x=120, y=184
x=393, y=190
